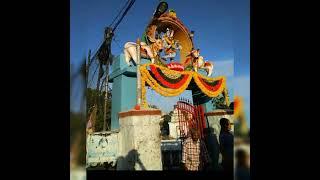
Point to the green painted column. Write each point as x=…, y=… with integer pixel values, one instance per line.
x=123, y=79
x=123, y=97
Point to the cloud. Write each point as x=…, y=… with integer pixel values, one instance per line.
x=223, y=68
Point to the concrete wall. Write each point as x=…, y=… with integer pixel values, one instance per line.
x=174, y=129
x=174, y=125
x=141, y=145
x=137, y=146
x=102, y=147
x=214, y=120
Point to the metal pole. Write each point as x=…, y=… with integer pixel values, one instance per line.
x=106, y=98
x=88, y=67
x=138, y=74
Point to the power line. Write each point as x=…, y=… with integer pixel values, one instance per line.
x=125, y=12
x=129, y=3
x=119, y=13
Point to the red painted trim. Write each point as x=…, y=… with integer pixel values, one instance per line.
x=139, y=113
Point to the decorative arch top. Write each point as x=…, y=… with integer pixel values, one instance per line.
x=181, y=32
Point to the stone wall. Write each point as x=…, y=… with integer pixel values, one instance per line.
x=141, y=143
x=136, y=146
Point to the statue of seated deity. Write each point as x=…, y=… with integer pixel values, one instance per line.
x=170, y=45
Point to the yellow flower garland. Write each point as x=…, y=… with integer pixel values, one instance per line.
x=168, y=71
x=205, y=90
x=238, y=108
x=171, y=75
x=143, y=94
x=147, y=78
x=210, y=79
x=145, y=75
x=225, y=90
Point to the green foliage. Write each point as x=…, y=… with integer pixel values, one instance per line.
x=170, y=114
x=153, y=106
x=167, y=118
x=164, y=126
x=94, y=97
x=220, y=102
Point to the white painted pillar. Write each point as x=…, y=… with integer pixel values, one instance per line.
x=141, y=141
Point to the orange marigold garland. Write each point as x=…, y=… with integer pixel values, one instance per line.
x=160, y=89
x=207, y=91
x=204, y=83
x=167, y=83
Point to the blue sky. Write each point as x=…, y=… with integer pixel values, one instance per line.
x=221, y=32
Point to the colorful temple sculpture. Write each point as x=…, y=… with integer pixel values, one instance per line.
x=161, y=69
x=166, y=61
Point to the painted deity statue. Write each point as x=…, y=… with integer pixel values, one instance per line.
x=198, y=62
x=146, y=51
x=170, y=45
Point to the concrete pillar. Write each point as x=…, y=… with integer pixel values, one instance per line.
x=141, y=141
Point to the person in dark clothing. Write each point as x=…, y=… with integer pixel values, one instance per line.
x=213, y=148
x=226, y=145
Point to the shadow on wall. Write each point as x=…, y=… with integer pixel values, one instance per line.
x=129, y=161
